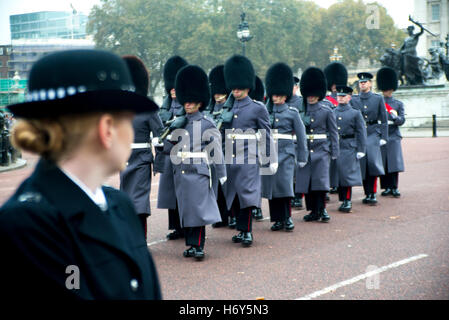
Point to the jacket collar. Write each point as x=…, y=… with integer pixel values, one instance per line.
x=194, y=116
x=343, y=107
x=366, y=95
x=76, y=207
x=280, y=108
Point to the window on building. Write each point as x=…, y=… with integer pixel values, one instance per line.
x=1, y=51
x=435, y=12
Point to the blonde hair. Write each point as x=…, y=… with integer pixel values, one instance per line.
x=52, y=138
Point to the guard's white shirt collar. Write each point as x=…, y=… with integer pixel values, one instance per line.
x=98, y=197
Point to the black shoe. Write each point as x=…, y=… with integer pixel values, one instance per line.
x=289, y=226
x=189, y=252
x=327, y=199
x=177, y=234
x=247, y=239
x=238, y=238
x=324, y=216
x=257, y=214
x=387, y=192
x=297, y=203
x=333, y=190
x=311, y=217
x=277, y=226
x=219, y=225
x=199, y=253
x=346, y=206
x=232, y=222
x=396, y=193
x=370, y=199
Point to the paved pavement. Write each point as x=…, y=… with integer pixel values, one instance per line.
x=397, y=250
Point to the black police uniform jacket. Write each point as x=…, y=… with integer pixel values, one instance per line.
x=50, y=224
x=135, y=180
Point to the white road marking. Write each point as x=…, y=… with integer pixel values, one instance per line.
x=361, y=277
x=156, y=242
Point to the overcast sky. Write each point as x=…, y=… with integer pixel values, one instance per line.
x=399, y=10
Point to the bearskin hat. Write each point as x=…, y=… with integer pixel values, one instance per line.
x=139, y=74
x=258, y=93
x=192, y=85
x=217, y=81
x=336, y=73
x=171, y=68
x=239, y=73
x=279, y=80
x=387, y=79
x=313, y=83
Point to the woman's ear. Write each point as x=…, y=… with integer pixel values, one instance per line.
x=105, y=130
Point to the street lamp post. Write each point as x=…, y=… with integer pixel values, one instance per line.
x=243, y=32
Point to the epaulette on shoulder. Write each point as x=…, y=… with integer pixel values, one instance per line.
x=209, y=119
x=293, y=109
x=259, y=103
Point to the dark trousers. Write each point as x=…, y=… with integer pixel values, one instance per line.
x=243, y=216
x=221, y=202
x=280, y=209
x=370, y=184
x=195, y=236
x=344, y=193
x=143, y=221
x=316, y=201
x=390, y=180
x=173, y=219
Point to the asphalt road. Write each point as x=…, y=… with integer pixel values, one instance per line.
x=396, y=250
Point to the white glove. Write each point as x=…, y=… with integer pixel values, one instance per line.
x=155, y=142
x=223, y=180
x=382, y=142
x=302, y=164
x=360, y=155
x=334, y=158
x=274, y=168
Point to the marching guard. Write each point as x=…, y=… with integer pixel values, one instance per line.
x=336, y=75
x=189, y=150
x=166, y=198
x=286, y=126
x=372, y=107
x=345, y=170
x=135, y=180
x=322, y=135
x=243, y=188
x=393, y=160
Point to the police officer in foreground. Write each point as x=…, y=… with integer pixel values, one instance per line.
x=286, y=127
x=372, y=107
x=166, y=197
x=345, y=171
x=63, y=234
x=135, y=180
x=189, y=148
x=243, y=188
x=322, y=135
x=393, y=160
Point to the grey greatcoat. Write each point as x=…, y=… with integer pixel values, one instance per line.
x=197, y=202
x=316, y=172
x=215, y=182
x=374, y=114
x=243, y=175
x=345, y=171
x=392, y=152
x=286, y=121
x=135, y=180
x=166, y=197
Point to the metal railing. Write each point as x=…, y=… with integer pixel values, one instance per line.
x=431, y=124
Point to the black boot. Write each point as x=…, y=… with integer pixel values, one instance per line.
x=232, y=222
x=238, y=238
x=247, y=239
x=333, y=190
x=324, y=216
x=346, y=206
x=289, y=226
x=373, y=199
x=297, y=203
x=277, y=226
x=199, y=253
x=396, y=193
x=177, y=234
x=387, y=192
x=257, y=214
x=313, y=216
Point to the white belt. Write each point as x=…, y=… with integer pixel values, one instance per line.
x=242, y=136
x=197, y=155
x=140, y=145
x=316, y=136
x=279, y=136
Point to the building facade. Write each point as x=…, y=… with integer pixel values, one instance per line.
x=434, y=15
x=5, y=53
